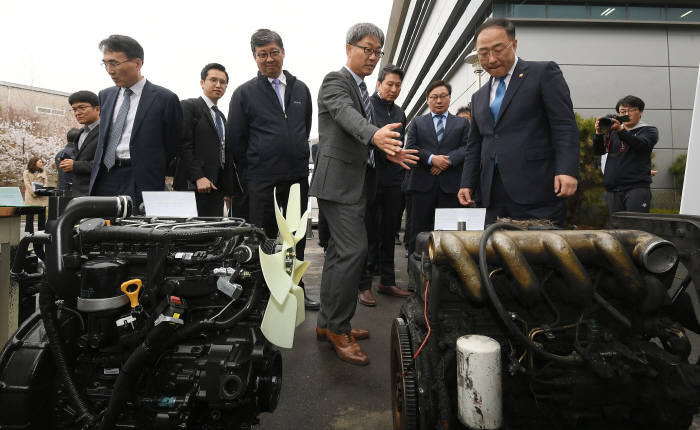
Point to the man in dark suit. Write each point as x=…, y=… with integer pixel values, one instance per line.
x=205, y=165
x=342, y=179
x=65, y=178
x=141, y=129
x=440, y=138
x=523, y=148
x=86, y=108
x=268, y=129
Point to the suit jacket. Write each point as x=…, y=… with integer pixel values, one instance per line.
x=421, y=135
x=345, y=137
x=534, y=139
x=83, y=162
x=156, y=136
x=199, y=156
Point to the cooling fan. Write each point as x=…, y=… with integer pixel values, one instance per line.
x=282, y=272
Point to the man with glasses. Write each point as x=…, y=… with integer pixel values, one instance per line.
x=440, y=138
x=204, y=165
x=523, y=148
x=86, y=108
x=343, y=180
x=268, y=128
x=627, y=174
x=141, y=131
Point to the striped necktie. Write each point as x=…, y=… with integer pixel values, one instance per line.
x=115, y=134
x=368, y=115
x=220, y=132
x=440, y=128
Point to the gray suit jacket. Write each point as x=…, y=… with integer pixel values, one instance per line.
x=345, y=137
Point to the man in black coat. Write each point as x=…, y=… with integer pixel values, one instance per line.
x=205, y=165
x=86, y=107
x=268, y=128
x=384, y=213
x=440, y=138
x=523, y=148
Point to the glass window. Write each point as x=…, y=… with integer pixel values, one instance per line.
x=567, y=11
x=525, y=10
x=683, y=14
x=608, y=12
x=646, y=13
x=499, y=9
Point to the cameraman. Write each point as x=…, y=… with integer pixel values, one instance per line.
x=628, y=166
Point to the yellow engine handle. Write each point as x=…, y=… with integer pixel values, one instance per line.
x=132, y=294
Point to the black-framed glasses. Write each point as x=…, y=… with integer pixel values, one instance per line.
x=81, y=108
x=368, y=51
x=439, y=96
x=273, y=54
x=113, y=63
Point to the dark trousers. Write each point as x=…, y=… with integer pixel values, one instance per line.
x=324, y=232
x=634, y=200
x=210, y=204
x=41, y=221
x=423, y=205
x=383, y=220
x=262, y=210
x=344, y=265
x=119, y=181
x=501, y=205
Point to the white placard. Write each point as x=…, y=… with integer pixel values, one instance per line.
x=448, y=219
x=170, y=203
x=690, y=203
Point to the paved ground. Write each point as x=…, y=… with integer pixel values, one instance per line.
x=321, y=392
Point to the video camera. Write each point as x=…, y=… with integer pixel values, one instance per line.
x=605, y=122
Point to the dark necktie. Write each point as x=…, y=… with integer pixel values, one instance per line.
x=368, y=114
x=220, y=131
x=440, y=128
x=277, y=91
x=83, y=136
x=117, y=129
x=500, y=92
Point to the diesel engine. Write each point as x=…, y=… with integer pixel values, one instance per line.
x=144, y=323
x=517, y=328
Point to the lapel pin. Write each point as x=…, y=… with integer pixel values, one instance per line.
x=521, y=75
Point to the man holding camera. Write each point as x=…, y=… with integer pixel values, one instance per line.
x=629, y=143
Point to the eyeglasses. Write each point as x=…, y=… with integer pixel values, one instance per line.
x=215, y=81
x=369, y=51
x=497, y=50
x=113, y=64
x=263, y=55
x=81, y=108
x=438, y=96
x=625, y=111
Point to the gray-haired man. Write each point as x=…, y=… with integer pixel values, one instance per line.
x=268, y=128
x=342, y=178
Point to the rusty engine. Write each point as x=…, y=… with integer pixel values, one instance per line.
x=589, y=330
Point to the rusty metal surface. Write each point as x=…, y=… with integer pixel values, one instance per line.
x=565, y=250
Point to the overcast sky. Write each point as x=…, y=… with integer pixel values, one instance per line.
x=53, y=44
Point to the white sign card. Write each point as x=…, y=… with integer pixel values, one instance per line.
x=179, y=204
x=690, y=203
x=448, y=218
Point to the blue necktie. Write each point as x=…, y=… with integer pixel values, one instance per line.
x=368, y=115
x=440, y=128
x=220, y=131
x=500, y=92
x=277, y=91
x=115, y=134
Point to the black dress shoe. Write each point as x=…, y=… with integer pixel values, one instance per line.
x=311, y=305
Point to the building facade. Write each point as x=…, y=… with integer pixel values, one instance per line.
x=605, y=49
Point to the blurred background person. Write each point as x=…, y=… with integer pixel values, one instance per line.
x=66, y=177
x=86, y=108
x=35, y=177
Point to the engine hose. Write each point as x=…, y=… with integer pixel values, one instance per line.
x=498, y=306
x=22, y=249
x=138, y=362
x=47, y=306
x=131, y=234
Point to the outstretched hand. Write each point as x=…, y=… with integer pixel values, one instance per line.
x=404, y=157
x=386, y=139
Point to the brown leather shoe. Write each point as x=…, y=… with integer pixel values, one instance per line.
x=357, y=333
x=393, y=290
x=347, y=349
x=367, y=298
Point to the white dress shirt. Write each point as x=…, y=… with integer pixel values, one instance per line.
x=283, y=86
x=123, y=152
x=494, y=85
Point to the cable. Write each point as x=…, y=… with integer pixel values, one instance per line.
x=425, y=315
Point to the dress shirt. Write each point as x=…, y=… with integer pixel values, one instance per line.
x=435, y=123
x=85, y=133
x=494, y=85
x=210, y=103
x=123, y=152
x=283, y=86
